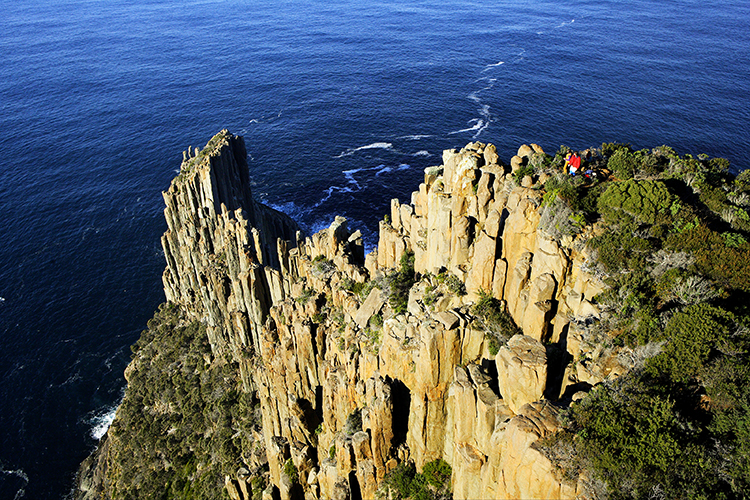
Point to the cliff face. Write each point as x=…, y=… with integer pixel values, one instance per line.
x=429, y=366
x=349, y=383
x=225, y=252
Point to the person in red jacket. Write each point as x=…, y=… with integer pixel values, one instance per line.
x=573, y=162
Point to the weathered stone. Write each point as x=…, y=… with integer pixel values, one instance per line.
x=449, y=321
x=522, y=371
x=516, y=163
x=371, y=306
x=490, y=155
x=525, y=151
x=483, y=264
x=526, y=472
x=245, y=271
x=536, y=315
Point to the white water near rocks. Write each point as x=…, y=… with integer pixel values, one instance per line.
x=335, y=100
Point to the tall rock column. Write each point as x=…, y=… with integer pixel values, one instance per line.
x=222, y=248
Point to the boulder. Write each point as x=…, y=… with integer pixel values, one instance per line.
x=517, y=162
x=490, y=155
x=525, y=151
x=371, y=306
x=521, y=371
x=526, y=473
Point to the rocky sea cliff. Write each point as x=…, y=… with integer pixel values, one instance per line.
x=448, y=361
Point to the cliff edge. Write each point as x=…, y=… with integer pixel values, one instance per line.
x=454, y=349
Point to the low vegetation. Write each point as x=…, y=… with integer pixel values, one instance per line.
x=673, y=248
x=185, y=423
x=399, y=282
x=491, y=316
x=403, y=482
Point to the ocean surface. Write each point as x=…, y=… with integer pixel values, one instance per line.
x=342, y=105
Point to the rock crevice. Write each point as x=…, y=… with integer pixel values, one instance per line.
x=348, y=388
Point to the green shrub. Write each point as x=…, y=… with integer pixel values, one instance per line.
x=322, y=266
x=400, y=283
x=291, y=471
x=361, y=289
x=618, y=250
x=184, y=421
x=691, y=335
x=353, y=422
x=636, y=438
x=452, y=282
x=610, y=148
x=403, y=482
x=305, y=296
x=376, y=321
x=493, y=318
x=623, y=164
x=633, y=202
x=437, y=473
x=522, y=172
x=557, y=218
x=579, y=195
x=430, y=296
x=728, y=265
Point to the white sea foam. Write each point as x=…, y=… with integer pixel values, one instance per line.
x=485, y=116
x=20, y=475
x=383, y=170
x=422, y=153
x=334, y=189
x=101, y=422
x=415, y=137
x=374, y=145
x=349, y=174
x=2, y=299
x=479, y=126
x=404, y=166
x=490, y=66
x=478, y=123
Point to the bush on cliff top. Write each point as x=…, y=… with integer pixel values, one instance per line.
x=184, y=422
x=493, y=318
x=672, y=247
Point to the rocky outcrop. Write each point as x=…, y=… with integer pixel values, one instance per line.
x=348, y=388
x=522, y=371
x=225, y=252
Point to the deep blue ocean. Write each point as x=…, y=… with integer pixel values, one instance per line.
x=342, y=105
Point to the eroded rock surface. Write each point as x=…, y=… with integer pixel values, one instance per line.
x=347, y=387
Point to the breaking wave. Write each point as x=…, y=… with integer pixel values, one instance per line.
x=101, y=421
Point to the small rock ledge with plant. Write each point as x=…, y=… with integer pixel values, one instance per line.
x=517, y=333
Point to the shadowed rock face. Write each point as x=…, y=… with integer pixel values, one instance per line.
x=347, y=388
x=225, y=252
